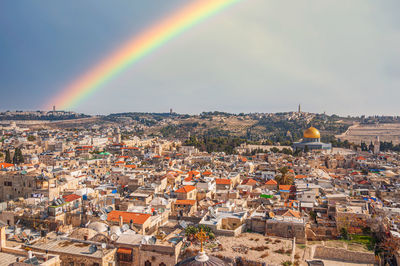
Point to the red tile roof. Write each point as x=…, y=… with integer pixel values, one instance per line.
x=137, y=218
x=249, y=181
x=222, y=181
x=207, y=173
x=5, y=165
x=285, y=187
x=194, y=173
x=185, y=189
x=292, y=213
x=71, y=197
x=185, y=202
x=271, y=182
x=188, y=179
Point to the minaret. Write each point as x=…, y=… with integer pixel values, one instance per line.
x=299, y=111
x=377, y=145
x=118, y=132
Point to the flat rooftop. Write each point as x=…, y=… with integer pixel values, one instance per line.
x=69, y=247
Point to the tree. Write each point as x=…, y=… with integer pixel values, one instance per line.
x=344, y=233
x=31, y=138
x=18, y=157
x=306, y=149
x=284, y=178
x=8, y=157
x=313, y=216
x=191, y=231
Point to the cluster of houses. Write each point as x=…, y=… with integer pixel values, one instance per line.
x=97, y=197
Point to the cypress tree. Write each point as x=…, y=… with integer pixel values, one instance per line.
x=8, y=157
x=15, y=157
x=20, y=156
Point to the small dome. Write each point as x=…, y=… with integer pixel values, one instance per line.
x=311, y=133
x=202, y=260
x=115, y=230
x=81, y=233
x=98, y=227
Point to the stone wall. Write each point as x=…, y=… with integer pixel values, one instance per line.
x=236, y=232
x=256, y=225
x=192, y=219
x=338, y=254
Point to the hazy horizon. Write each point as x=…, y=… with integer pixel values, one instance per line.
x=255, y=56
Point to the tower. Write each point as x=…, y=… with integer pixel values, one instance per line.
x=118, y=133
x=377, y=145
x=54, y=108
x=299, y=110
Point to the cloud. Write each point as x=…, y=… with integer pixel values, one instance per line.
x=266, y=55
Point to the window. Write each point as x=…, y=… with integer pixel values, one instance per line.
x=147, y=263
x=269, y=226
x=8, y=183
x=162, y=264
x=124, y=255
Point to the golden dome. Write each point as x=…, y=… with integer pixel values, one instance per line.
x=311, y=133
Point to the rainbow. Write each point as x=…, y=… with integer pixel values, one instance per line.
x=135, y=49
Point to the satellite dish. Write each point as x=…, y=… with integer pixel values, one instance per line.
x=113, y=237
x=103, y=245
x=109, y=209
x=125, y=227
x=92, y=249
x=212, y=212
x=183, y=224
x=103, y=217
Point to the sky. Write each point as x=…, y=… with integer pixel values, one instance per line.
x=339, y=57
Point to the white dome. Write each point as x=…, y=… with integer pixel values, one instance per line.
x=98, y=227
x=115, y=230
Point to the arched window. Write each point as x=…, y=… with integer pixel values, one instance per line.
x=147, y=263
x=162, y=264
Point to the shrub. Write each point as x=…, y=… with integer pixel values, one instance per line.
x=280, y=251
